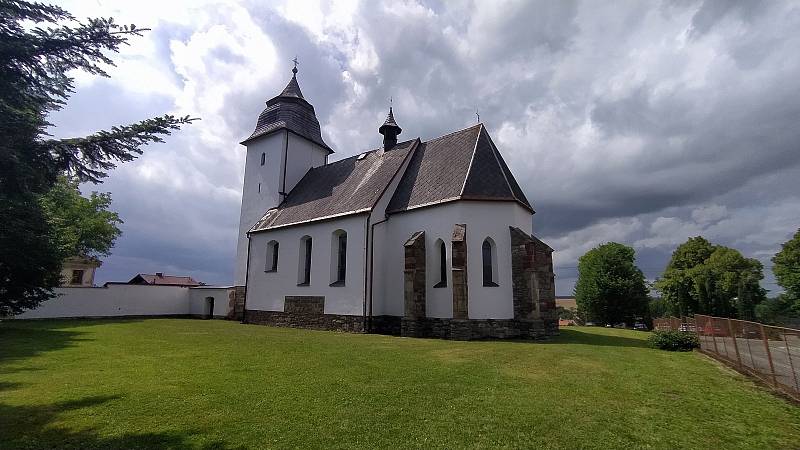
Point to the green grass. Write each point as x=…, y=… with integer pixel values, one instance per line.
x=214, y=384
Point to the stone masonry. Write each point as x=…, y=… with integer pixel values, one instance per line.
x=414, y=285
x=459, y=264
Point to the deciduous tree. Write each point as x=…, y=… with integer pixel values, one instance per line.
x=704, y=278
x=610, y=288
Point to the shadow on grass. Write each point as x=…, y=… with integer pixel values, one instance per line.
x=34, y=427
x=575, y=336
x=25, y=341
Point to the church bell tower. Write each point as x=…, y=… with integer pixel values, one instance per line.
x=285, y=144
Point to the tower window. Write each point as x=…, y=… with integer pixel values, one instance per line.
x=338, y=257
x=271, y=264
x=263, y=158
x=489, y=252
x=304, y=269
x=441, y=255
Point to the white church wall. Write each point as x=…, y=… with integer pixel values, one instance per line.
x=266, y=290
x=483, y=219
x=262, y=183
x=302, y=155
x=113, y=300
x=378, y=224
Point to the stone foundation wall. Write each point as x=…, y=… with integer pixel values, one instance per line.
x=329, y=322
x=455, y=329
x=474, y=329
x=239, y=293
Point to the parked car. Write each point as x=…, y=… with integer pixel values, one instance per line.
x=590, y=324
x=640, y=326
x=620, y=325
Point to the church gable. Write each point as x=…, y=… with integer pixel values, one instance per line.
x=461, y=165
x=436, y=172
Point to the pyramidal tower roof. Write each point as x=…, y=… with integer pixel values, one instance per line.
x=290, y=111
x=390, y=123
x=292, y=89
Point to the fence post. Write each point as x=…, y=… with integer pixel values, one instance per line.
x=791, y=364
x=735, y=345
x=713, y=335
x=769, y=355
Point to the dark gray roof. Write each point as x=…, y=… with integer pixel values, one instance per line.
x=292, y=112
x=344, y=187
x=462, y=165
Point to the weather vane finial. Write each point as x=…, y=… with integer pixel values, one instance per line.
x=295, y=65
x=477, y=115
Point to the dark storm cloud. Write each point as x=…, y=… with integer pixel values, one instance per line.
x=638, y=122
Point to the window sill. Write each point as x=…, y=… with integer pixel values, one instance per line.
x=490, y=284
x=337, y=284
x=304, y=284
x=441, y=284
x=271, y=271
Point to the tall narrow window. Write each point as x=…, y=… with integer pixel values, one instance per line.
x=271, y=264
x=263, y=158
x=489, y=263
x=441, y=256
x=338, y=257
x=304, y=271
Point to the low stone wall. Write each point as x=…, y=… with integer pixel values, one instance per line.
x=330, y=322
x=456, y=329
x=473, y=329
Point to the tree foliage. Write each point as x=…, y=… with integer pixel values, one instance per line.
x=703, y=278
x=39, y=46
x=610, y=288
x=786, y=266
x=82, y=226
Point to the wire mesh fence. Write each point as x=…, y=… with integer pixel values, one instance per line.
x=769, y=353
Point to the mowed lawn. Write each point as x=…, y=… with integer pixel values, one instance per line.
x=169, y=383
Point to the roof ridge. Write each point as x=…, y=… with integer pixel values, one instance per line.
x=471, y=161
x=495, y=153
x=367, y=151
x=452, y=133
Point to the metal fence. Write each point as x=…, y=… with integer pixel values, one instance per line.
x=674, y=323
x=771, y=354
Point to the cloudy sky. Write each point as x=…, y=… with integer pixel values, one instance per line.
x=637, y=122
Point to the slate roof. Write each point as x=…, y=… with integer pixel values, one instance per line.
x=349, y=186
x=461, y=165
x=464, y=165
x=289, y=110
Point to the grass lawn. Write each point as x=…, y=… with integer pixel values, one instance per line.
x=168, y=383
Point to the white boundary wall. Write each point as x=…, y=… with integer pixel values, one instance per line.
x=115, y=300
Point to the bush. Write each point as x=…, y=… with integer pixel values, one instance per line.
x=673, y=341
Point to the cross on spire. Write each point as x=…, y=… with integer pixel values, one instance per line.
x=477, y=115
x=295, y=65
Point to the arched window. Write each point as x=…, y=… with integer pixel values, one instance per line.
x=263, y=158
x=304, y=266
x=338, y=257
x=441, y=263
x=489, y=253
x=271, y=261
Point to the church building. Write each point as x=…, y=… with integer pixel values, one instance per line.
x=415, y=238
